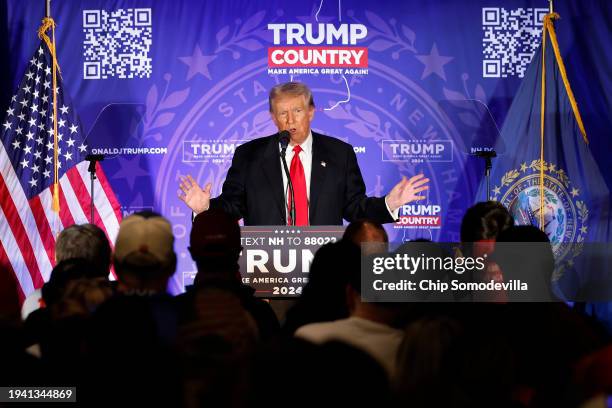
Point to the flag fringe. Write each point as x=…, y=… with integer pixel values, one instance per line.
x=549, y=27
x=49, y=23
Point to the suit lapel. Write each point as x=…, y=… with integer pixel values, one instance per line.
x=317, y=175
x=272, y=170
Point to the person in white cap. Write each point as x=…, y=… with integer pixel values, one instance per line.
x=144, y=257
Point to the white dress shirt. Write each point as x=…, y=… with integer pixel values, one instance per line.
x=306, y=158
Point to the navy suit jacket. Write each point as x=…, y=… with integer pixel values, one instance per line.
x=253, y=188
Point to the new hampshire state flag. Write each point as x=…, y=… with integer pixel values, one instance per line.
x=575, y=202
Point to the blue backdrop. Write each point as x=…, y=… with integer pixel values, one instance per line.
x=170, y=88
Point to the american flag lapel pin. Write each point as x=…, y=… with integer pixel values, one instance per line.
x=323, y=164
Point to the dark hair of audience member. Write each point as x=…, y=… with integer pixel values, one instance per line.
x=422, y=247
x=483, y=221
x=520, y=258
x=67, y=271
x=214, y=245
x=365, y=230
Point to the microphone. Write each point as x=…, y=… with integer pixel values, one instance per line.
x=283, y=139
x=485, y=153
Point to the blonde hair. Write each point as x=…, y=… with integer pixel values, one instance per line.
x=293, y=89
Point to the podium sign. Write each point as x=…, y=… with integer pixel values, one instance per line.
x=275, y=260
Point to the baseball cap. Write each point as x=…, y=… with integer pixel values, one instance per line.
x=150, y=237
x=214, y=233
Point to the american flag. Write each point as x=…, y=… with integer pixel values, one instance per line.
x=28, y=225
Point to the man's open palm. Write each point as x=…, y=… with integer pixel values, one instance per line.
x=196, y=198
x=407, y=191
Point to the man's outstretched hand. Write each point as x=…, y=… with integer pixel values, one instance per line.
x=196, y=198
x=407, y=191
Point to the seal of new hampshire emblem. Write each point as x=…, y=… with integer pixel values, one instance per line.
x=565, y=214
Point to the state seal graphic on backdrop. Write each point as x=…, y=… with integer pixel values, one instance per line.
x=565, y=214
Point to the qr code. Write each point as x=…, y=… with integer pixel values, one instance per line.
x=510, y=40
x=117, y=43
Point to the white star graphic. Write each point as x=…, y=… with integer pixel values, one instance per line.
x=70, y=142
x=14, y=98
x=7, y=125
x=43, y=113
x=73, y=128
x=39, y=65
x=27, y=89
x=50, y=132
x=30, y=135
x=34, y=108
x=16, y=144
x=24, y=102
x=68, y=156
x=45, y=98
x=21, y=116
x=32, y=182
x=41, y=126
x=10, y=111
x=47, y=173
x=33, y=60
x=48, y=160
x=24, y=163
x=35, y=169
x=61, y=123
x=34, y=94
x=37, y=80
x=64, y=109
x=60, y=136
x=50, y=146
x=39, y=140
x=47, y=84
x=37, y=154
x=59, y=164
x=27, y=149
x=82, y=148
x=40, y=51
x=47, y=70
x=59, y=150
x=30, y=75
x=32, y=122
x=19, y=130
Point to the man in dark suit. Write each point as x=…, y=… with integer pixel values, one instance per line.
x=326, y=179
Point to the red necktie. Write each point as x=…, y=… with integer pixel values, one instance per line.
x=299, y=189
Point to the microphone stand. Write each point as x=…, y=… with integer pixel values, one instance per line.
x=93, y=159
x=284, y=141
x=487, y=155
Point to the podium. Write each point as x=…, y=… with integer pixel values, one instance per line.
x=275, y=260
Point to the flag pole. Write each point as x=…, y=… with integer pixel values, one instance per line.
x=47, y=8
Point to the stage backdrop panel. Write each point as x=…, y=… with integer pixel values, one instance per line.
x=166, y=89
